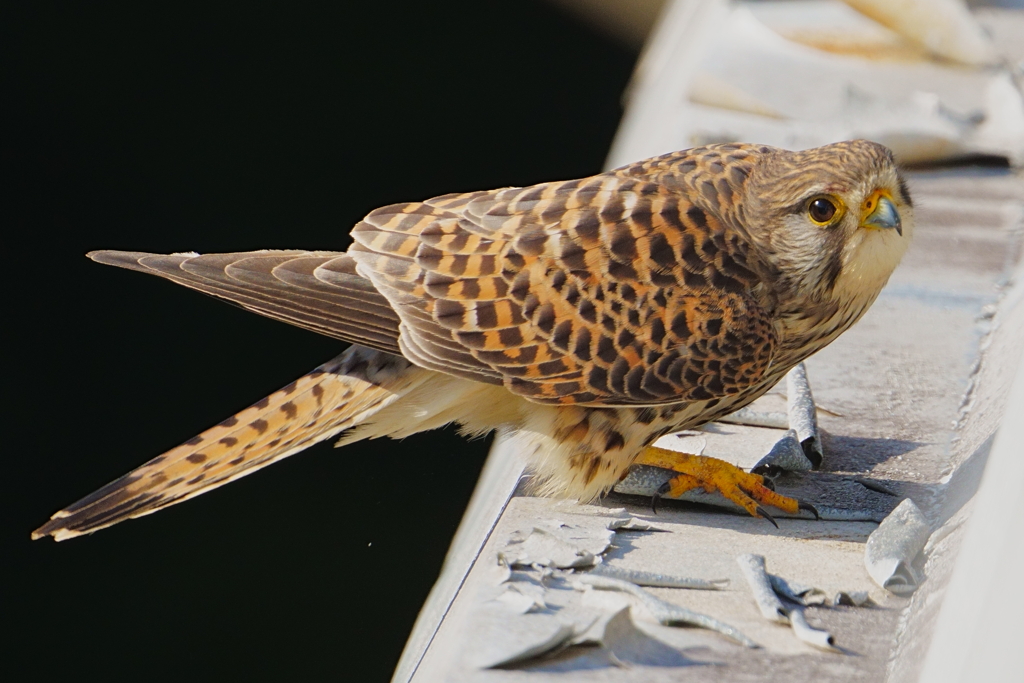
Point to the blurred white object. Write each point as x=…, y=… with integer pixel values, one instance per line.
x=804, y=73
x=944, y=27
x=836, y=27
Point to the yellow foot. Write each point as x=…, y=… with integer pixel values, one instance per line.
x=699, y=471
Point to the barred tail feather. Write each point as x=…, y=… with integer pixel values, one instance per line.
x=340, y=394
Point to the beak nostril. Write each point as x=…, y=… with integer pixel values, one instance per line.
x=882, y=213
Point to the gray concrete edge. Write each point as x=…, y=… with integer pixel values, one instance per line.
x=963, y=624
x=495, y=487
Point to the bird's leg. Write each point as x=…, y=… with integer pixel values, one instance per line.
x=713, y=475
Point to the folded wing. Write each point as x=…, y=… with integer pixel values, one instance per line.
x=615, y=290
x=607, y=291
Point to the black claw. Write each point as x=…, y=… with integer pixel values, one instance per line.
x=810, y=508
x=764, y=513
x=663, y=489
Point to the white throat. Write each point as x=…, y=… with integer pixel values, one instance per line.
x=869, y=259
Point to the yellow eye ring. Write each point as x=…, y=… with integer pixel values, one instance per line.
x=823, y=210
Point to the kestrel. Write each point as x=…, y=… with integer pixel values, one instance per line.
x=585, y=318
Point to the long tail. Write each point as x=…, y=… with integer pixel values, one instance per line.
x=339, y=394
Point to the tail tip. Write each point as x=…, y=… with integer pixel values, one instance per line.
x=45, y=530
x=55, y=527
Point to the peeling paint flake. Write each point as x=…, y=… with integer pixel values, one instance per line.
x=892, y=548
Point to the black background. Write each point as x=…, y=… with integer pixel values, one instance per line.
x=226, y=127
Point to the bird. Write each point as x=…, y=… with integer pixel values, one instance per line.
x=582, y=319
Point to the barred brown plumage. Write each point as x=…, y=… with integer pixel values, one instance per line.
x=585, y=317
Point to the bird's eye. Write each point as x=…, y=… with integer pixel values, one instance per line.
x=821, y=210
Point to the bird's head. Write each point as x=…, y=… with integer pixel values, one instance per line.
x=833, y=221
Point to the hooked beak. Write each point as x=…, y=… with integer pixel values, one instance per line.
x=884, y=216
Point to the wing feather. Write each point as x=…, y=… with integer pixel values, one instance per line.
x=627, y=288
x=319, y=291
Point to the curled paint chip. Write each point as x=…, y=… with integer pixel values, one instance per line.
x=891, y=549
x=642, y=578
x=822, y=640
x=797, y=592
x=851, y=598
x=500, y=640
x=786, y=454
x=666, y=613
x=756, y=574
x=803, y=417
x=628, y=645
x=557, y=545
x=631, y=524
